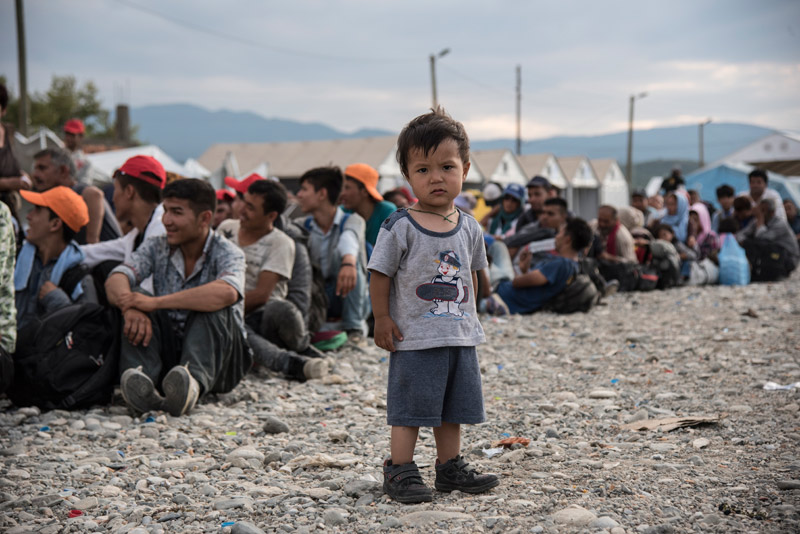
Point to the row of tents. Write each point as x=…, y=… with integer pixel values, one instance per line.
x=585, y=183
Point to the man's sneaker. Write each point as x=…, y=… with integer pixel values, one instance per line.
x=456, y=474
x=496, y=306
x=315, y=368
x=139, y=391
x=403, y=483
x=181, y=390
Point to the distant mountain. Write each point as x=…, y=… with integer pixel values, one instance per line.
x=669, y=143
x=184, y=130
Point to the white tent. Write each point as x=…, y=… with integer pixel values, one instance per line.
x=104, y=164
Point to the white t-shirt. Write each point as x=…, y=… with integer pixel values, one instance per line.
x=274, y=252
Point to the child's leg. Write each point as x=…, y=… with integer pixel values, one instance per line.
x=448, y=441
x=404, y=439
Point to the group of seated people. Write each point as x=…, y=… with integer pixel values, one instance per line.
x=671, y=237
x=209, y=283
x=204, y=293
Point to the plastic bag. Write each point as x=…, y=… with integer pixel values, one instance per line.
x=734, y=270
x=703, y=272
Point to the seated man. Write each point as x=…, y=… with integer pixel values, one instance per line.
x=360, y=195
x=503, y=223
x=336, y=244
x=52, y=167
x=273, y=322
x=137, y=198
x=189, y=337
x=725, y=197
x=538, y=191
x=617, y=251
x=539, y=236
x=770, y=245
x=48, y=275
x=224, y=207
x=743, y=211
x=240, y=186
x=758, y=181
x=529, y=291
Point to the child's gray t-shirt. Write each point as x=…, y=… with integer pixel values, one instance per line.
x=431, y=298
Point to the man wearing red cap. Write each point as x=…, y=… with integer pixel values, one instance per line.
x=137, y=197
x=241, y=187
x=49, y=262
x=73, y=138
x=360, y=194
x=224, y=211
x=53, y=167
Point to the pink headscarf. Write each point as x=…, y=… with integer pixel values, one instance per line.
x=705, y=221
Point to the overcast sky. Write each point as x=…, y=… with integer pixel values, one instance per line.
x=364, y=63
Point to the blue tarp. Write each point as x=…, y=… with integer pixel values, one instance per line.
x=706, y=181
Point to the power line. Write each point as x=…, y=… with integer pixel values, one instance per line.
x=262, y=46
x=493, y=89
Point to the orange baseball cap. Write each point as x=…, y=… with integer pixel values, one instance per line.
x=66, y=203
x=367, y=176
x=74, y=126
x=241, y=186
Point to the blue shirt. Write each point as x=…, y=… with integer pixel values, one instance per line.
x=221, y=260
x=558, y=270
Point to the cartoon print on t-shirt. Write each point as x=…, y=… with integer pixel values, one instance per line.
x=447, y=290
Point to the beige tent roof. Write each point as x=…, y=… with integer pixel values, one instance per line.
x=533, y=164
x=601, y=167
x=488, y=160
x=569, y=165
x=292, y=159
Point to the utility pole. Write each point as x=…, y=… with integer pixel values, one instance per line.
x=629, y=166
x=519, y=110
x=702, y=124
x=23, y=71
x=433, y=58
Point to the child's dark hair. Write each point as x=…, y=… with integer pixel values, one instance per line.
x=200, y=194
x=725, y=191
x=666, y=228
x=742, y=204
x=330, y=178
x=758, y=173
x=579, y=232
x=273, y=193
x=427, y=132
x=147, y=192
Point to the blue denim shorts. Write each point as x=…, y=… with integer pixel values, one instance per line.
x=427, y=387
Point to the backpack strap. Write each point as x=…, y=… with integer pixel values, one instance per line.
x=72, y=277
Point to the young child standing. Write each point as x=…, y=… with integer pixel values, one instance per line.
x=423, y=298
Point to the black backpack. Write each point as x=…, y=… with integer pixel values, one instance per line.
x=68, y=359
x=580, y=294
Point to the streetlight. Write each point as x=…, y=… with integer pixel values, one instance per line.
x=433, y=57
x=702, y=124
x=629, y=166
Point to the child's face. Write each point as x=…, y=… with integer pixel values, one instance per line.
x=725, y=202
x=665, y=235
x=436, y=179
x=694, y=218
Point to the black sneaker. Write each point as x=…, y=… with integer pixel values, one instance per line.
x=456, y=474
x=403, y=483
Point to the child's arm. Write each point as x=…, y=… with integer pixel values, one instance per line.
x=385, y=328
x=475, y=287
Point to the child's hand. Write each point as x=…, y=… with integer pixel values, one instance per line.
x=385, y=332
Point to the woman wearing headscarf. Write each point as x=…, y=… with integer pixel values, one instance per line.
x=707, y=239
x=677, y=215
x=631, y=218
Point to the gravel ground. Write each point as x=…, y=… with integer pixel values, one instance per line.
x=280, y=456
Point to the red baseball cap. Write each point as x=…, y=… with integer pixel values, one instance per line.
x=241, y=186
x=223, y=195
x=74, y=126
x=66, y=203
x=138, y=165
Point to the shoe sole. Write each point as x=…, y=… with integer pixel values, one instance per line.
x=176, y=387
x=137, y=392
x=410, y=499
x=477, y=489
x=315, y=368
